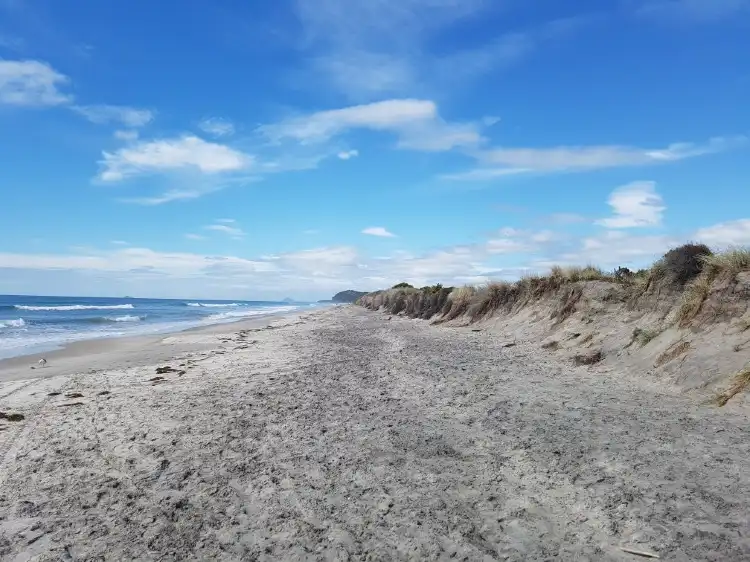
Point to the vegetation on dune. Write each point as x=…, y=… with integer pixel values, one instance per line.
x=691, y=269
x=713, y=268
x=689, y=286
x=740, y=383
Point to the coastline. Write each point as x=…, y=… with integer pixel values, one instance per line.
x=103, y=353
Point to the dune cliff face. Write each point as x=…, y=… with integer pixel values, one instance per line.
x=684, y=323
x=348, y=296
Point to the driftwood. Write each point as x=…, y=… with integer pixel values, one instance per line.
x=639, y=552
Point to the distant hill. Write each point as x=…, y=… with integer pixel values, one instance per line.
x=347, y=296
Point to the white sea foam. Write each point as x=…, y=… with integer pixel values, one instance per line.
x=127, y=318
x=75, y=307
x=250, y=313
x=20, y=323
x=212, y=305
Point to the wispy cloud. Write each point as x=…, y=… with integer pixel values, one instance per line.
x=168, y=196
x=187, y=152
x=31, y=83
x=127, y=136
x=104, y=114
x=415, y=122
x=564, y=218
x=634, y=205
x=510, y=161
x=217, y=126
x=347, y=154
x=381, y=116
x=233, y=231
x=484, y=174
x=370, y=50
x=726, y=234
x=191, y=236
x=119, y=243
x=378, y=231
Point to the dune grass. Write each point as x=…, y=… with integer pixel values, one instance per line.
x=691, y=269
x=741, y=382
x=724, y=265
x=643, y=336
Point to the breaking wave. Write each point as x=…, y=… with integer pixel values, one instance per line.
x=212, y=305
x=75, y=307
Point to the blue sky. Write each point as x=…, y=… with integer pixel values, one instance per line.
x=248, y=149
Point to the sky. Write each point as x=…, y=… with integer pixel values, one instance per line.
x=247, y=149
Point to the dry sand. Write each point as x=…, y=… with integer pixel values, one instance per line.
x=342, y=435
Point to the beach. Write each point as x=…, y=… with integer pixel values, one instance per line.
x=345, y=434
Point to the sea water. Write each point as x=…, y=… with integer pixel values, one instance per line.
x=31, y=324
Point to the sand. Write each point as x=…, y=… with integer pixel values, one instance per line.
x=341, y=435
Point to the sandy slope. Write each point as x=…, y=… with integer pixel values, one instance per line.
x=348, y=436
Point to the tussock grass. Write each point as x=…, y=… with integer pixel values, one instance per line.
x=730, y=262
x=644, y=335
x=691, y=268
x=672, y=353
x=714, y=266
x=587, y=273
x=491, y=298
x=457, y=303
x=741, y=382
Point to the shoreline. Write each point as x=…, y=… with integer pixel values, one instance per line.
x=130, y=351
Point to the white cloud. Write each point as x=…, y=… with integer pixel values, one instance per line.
x=583, y=158
x=126, y=260
x=311, y=232
x=233, y=231
x=319, y=272
x=615, y=248
x=316, y=257
x=726, y=234
x=104, y=114
x=31, y=83
x=378, y=231
x=597, y=157
x=636, y=204
x=166, y=197
x=348, y=154
x=438, y=136
x=171, y=154
x=217, y=126
x=544, y=236
x=226, y=221
x=382, y=115
x=483, y=174
x=415, y=122
x=506, y=246
x=119, y=243
x=127, y=136
x=191, y=236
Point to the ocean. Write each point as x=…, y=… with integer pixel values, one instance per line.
x=31, y=324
